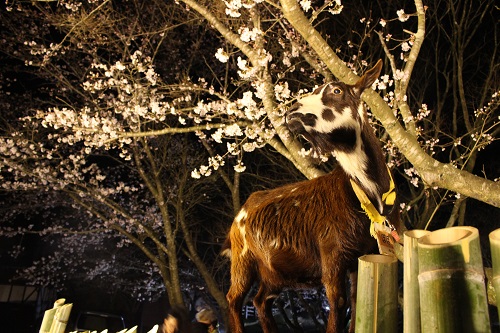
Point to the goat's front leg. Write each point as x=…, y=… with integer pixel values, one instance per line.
x=263, y=302
x=334, y=282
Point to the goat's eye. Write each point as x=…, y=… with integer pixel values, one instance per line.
x=337, y=91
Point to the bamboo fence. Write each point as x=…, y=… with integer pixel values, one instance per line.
x=444, y=288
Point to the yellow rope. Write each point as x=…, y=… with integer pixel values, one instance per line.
x=388, y=198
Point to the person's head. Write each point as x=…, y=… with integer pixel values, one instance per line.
x=206, y=316
x=176, y=321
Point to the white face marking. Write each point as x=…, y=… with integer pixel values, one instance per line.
x=314, y=105
x=343, y=119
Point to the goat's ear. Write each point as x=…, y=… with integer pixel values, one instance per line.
x=369, y=77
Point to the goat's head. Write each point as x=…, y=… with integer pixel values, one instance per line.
x=332, y=117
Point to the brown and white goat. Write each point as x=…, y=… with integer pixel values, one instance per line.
x=313, y=231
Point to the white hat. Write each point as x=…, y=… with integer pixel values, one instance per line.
x=206, y=316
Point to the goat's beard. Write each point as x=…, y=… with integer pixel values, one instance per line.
x=318, y=144
x=342, y=139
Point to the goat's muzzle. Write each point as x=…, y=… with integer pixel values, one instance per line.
x=294, y=123
x=296, y=120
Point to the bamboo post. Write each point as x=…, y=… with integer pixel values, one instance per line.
x=495, y=260
x=61, y=319
x=154, y=329
x=411, y=297
x=377, y=297
x=48, y=316
x=451, y=280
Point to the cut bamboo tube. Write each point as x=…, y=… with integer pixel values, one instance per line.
x=411, y=297
x=451, y=280
x=48, y=316
x=377, y=296
x=61, y=319
x=495, y=260
x=154, y=329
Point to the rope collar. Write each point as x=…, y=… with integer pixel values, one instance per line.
x=388, y=199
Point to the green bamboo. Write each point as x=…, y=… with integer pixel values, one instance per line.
x=377, y=298
x=495, y=260
x=451, y=279
x=411, y=297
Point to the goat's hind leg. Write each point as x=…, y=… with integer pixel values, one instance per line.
x=242, y=278
x=263, y=302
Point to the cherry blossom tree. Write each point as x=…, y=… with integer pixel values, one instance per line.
x=137, y=187
x=400, y=117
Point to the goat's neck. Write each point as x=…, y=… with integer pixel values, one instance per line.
x=365, y=164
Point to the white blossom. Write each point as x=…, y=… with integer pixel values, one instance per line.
x=240, y=167
x=195, y=174
x=119, y=66
x=281, y=91
x=233, y=130
x=402, y=16
x=233, y=7
x=305, y=4
x=405, y=46
x=221, y=55
x=217, y=136
x=249, y=146
x=248, y=35
x=337, y=9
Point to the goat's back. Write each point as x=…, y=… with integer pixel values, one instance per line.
x=289, y=230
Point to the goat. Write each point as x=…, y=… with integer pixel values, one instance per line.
x=312, y=232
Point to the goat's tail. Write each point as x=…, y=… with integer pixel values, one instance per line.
x=226, y=248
